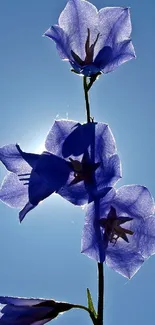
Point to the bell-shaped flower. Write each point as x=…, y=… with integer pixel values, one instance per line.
x=90, y=151
x=27, y=311
x=23, y=187
x=79, y=161
x=93, y=41
x=120, y=229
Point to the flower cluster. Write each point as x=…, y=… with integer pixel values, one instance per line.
x=81, y=163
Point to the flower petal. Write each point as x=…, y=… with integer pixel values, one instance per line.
x=29, y=311
x=143, y=239
x=58, y=35
x=122, y=53
x=75, y=20
x=109, y=171
x=114, y=26
x=11, y=157
x=20, y=301
x=28, y=207
x=135, y=200
x=58, y=133
x=13, y=192
x=93, y=243
x=68, y=138
x=53, y=170
x=123, y=259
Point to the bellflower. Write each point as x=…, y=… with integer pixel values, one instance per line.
x=93, y=41
x=25, y=311
x=79, y=161
x=120, y=229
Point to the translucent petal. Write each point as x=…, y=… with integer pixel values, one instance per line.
x=58, y=133
x=143, y=239
x=13, y=192
x=93, y=243
x=75, y=20
x=11, y=157
x=114, y=27
x=62, y=41
x=121, y=53
x=123, y=259
x=17, y=301
x=134, y=200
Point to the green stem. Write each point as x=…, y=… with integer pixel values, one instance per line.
x=100, y=294
x=85, y=86
x=90, y=313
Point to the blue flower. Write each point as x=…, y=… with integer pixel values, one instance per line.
x=93, y=41
x=80, y=160
x=120, y=229
x=25, y=311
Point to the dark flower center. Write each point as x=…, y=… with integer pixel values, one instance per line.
x=89, y=50
x=83, y=171
x=113, y=229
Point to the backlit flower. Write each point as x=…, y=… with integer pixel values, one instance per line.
x=79, y=161
x=120, y=229
x=93, y=41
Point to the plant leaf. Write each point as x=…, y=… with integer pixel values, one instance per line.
x=90, y=303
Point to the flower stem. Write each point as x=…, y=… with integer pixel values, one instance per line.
x=87, y=309
x=85, y=86
x=100, y=294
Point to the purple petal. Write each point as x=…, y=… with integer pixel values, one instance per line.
x=123, y=259
x=13, y=192
x=75, y=20
x=114, y=26
x=103, y=58
x=53, y=170
x=17, y=301
x=134, y=200
x=68, y=138
x=23, y=311
x=41, y=322
x=28, y=207
x=58, y=133
x=143, y=239
x=93, y=243
x=25, y=315
x=62, y=41
x=30, y=158
x=109, y=172
x=122, y=53
x=11, y=157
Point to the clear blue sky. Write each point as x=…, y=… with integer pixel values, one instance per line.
x=41, y=257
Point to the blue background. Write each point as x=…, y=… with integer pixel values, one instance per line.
x=41, y=257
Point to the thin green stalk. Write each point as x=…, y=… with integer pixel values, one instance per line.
x=85, y=86
x=90, y=313
x=100, y=294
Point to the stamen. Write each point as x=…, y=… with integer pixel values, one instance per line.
x=24, y=179
x=83, y=171
x=24, y=174
x=113, y=229
x=77, y=165
x=89, y=49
